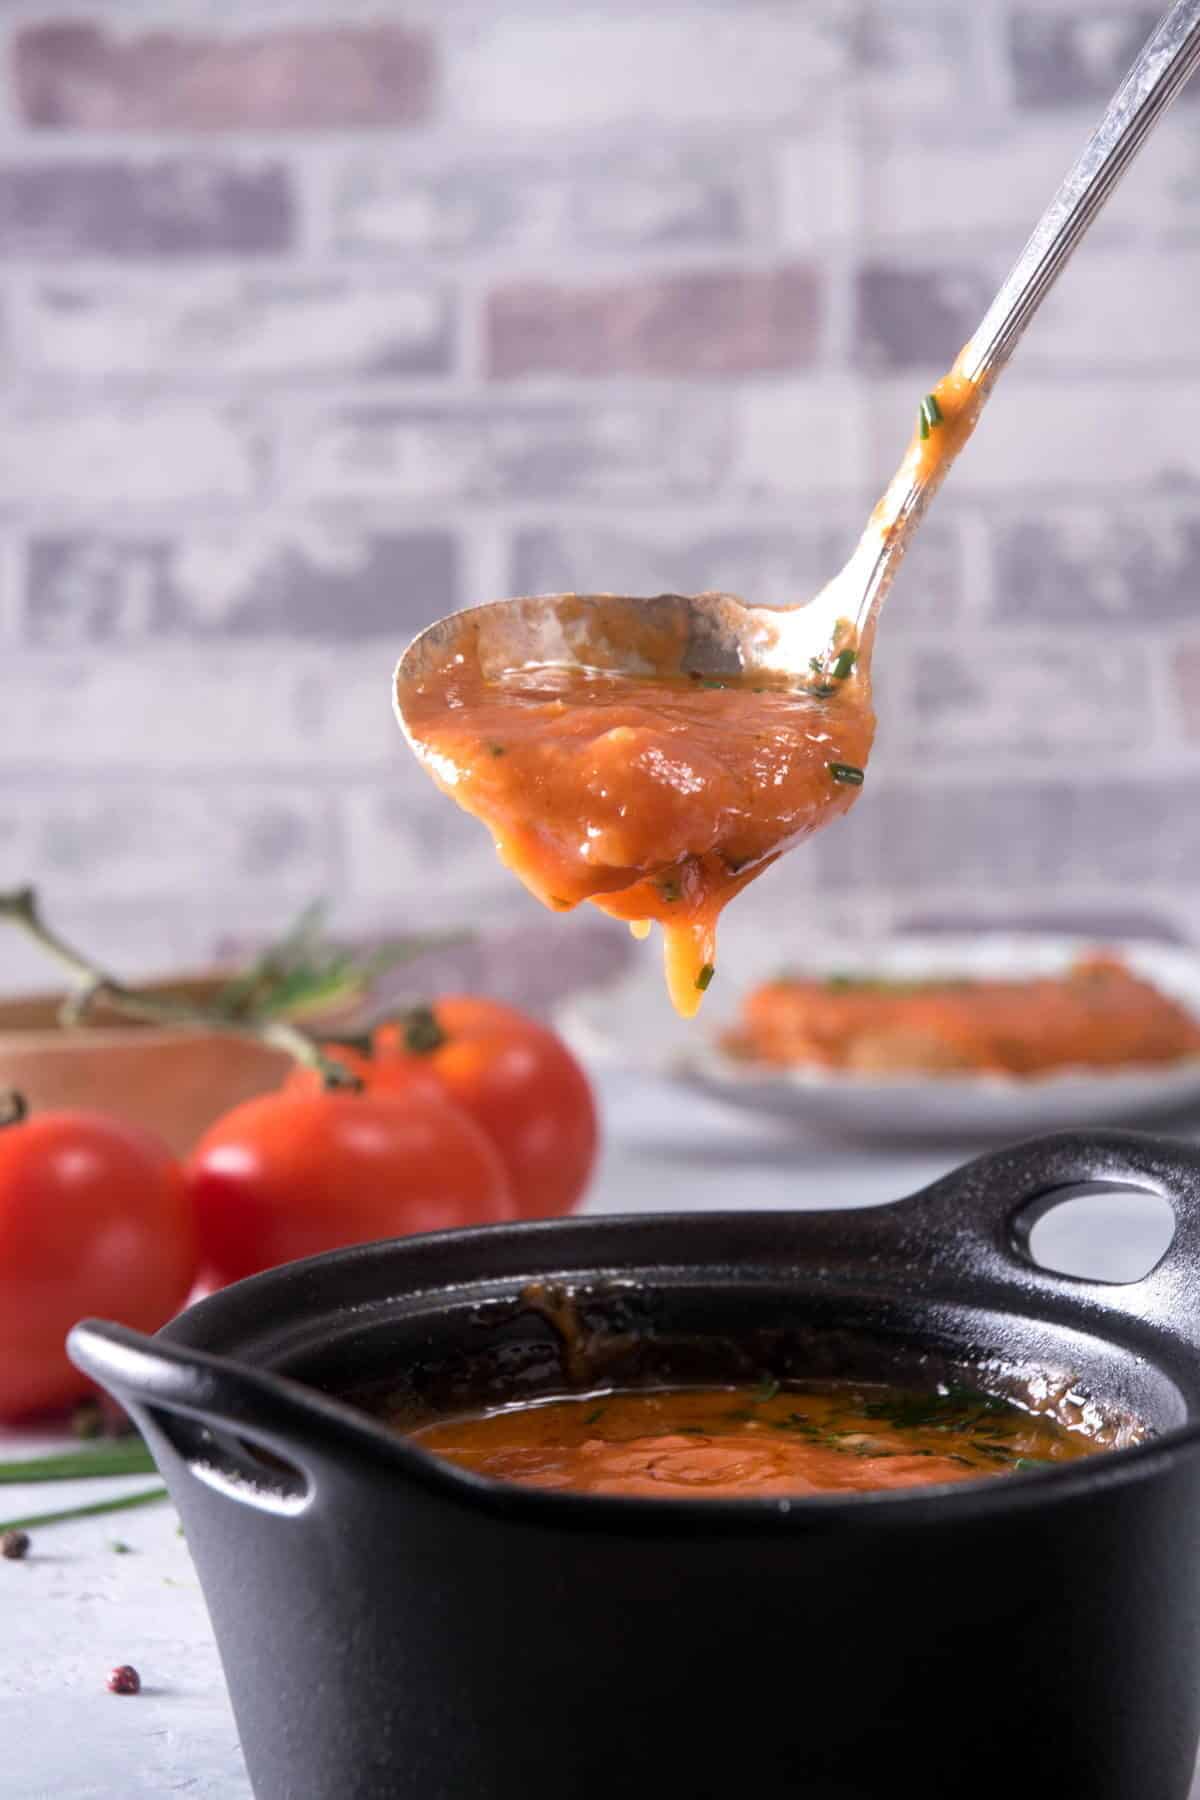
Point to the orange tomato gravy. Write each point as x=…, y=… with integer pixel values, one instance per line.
x=735, y=1442
x=656, y=799
x=659, y=799
x=1099, y=1014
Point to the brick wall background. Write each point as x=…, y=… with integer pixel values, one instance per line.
x=319, y=319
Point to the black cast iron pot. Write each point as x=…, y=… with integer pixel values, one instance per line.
x=392, y=1626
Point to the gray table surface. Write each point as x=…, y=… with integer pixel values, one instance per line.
x=76, y=1606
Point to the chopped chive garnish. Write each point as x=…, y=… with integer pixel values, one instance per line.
x=823, y=690
x=846, y=772
x=34, y=1521
x=766, y=1390
x=815, y=664
x=669, y=887
x=844, y=664
x=596, y=1413
x=717, y=684
x=931, y=414
x=705, y=976
x=496, y=749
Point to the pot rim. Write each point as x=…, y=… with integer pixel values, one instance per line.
x=963, y=1241
x=350, y=1428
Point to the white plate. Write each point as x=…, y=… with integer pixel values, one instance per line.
x=630, y=1024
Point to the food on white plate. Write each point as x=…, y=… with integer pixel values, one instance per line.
x=1097, y=1014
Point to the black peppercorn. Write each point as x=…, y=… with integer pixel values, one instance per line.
x=14, y=1545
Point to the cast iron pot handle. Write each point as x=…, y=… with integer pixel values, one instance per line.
x=209, y=1412
x=978, y=1220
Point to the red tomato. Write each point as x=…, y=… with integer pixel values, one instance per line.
x=93, y=1219
x=515, y=1077
x=302, y=1171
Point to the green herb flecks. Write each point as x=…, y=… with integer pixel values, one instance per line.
x=704, y=978
x=958, y=1409
x=766, y=1390
x=845, y=662
x=670, y=888
x=930, y=415
x=846, y=773
x=497, y=749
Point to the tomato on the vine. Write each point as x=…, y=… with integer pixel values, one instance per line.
x=513, y=1075
x=93, y=1219
x=305, y=1170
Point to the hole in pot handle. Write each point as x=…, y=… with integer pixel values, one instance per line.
x=981, y=1216
x=1103, y=1231
x=260, y=1438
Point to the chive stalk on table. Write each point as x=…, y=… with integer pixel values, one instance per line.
x=122, y=1503
x=128, y=1458
x=92, y=1462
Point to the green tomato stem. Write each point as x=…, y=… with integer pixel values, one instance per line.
x=20, y=905
x=13, y=1107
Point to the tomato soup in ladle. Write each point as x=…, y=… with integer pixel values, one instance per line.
x=653, y=756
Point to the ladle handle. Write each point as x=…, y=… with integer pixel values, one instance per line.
x=978, y=1220
x=1169, y=57
x=1167, y=60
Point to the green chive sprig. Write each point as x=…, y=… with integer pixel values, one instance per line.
x=33, y=1521
x=931, y=414
x=128, y=1457
x=847, y=773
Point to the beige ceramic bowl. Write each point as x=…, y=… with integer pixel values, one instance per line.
x=173, y=1082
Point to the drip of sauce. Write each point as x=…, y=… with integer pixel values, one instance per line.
x=656, y=797
x=728, y=1443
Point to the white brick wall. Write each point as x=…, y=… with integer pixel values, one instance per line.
x=248, y=305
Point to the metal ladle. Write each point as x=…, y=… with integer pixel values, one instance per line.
x=714, y=633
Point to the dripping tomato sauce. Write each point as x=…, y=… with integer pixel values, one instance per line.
x=656, y=798
x=830, y=1437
